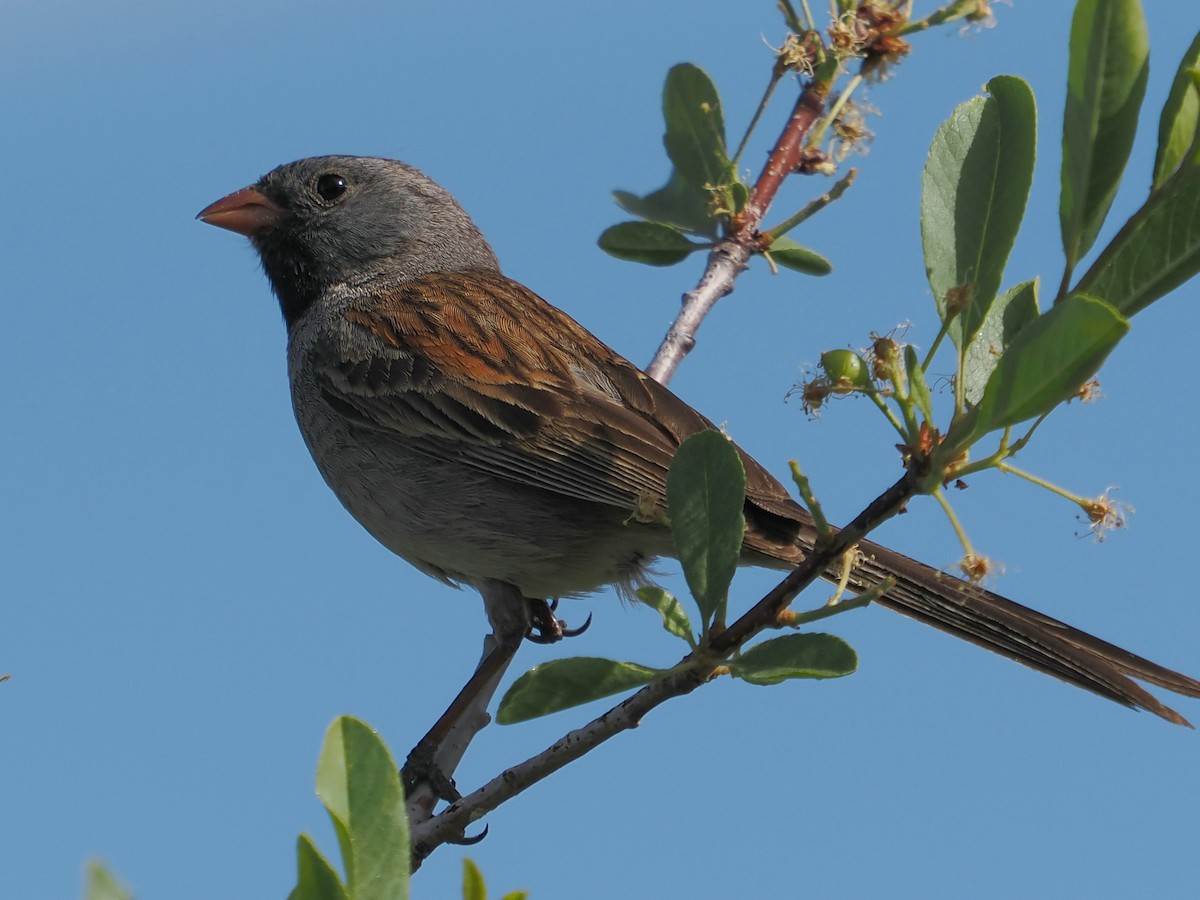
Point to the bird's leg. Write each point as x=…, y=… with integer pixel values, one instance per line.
x=428, y=771
x=435, y=757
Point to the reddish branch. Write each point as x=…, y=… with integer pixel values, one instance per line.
x=729, y=257
x=783, y=160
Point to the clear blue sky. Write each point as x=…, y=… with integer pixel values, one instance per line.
x=185, y=606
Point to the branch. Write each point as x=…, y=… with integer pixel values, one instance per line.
x=448, y=825
x=693, y=671
x=767, y=610
x=728, y=259
x=783, y=159
x=725, y=263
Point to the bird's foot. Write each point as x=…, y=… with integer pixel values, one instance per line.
x=546, y=628
x=420, y=768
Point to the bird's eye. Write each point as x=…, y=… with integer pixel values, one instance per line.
x=331, y=186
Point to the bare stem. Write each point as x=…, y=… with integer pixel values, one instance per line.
x=1039, y=481
x=835, y=110
x=762, y=106
x=725, y=263
x=959, y=531
x=960, y=9
x=881, y=404
x=820, y=523
x=813, y=206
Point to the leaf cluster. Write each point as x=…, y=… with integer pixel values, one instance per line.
x=704, y=193
x=1014, y=362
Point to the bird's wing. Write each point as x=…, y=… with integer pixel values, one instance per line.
x=477, y=366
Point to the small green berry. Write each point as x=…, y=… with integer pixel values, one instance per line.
x=846, y=370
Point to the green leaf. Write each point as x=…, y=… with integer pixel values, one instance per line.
x=101, y=884
x=787, y=253
x=1180, y=114
x=316, y=879
x=516, y=895
x=563, y=683
x=706, y=493
x=695, y=138
x=918, y=388
x=795, y=656
x=674, y=616
x=1106, y=80
x=1049, y=360
x=739, y=194
x=1012, y=311
x=647, y=242
x=676, y=203
x=359, y=784
x=973, y=194
x=473, y=884
x=1156, y=251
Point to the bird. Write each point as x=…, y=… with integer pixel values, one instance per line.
x=490, y=440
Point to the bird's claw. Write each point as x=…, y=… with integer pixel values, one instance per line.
x=575, y=632
x=546, y=628
x=465, y=841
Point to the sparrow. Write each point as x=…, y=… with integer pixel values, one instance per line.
x=490, y=440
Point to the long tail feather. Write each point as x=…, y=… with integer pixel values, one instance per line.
x=1020, y=633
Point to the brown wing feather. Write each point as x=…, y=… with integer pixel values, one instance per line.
x=515, y=386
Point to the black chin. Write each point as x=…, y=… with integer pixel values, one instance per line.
x=292, y=275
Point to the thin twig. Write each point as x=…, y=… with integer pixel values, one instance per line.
x=428, y=836
x=815, y=563
x=785, y=156
x=951, y=12
x=725, y=263
x=814, y=206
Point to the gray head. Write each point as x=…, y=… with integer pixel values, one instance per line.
x=332, y=220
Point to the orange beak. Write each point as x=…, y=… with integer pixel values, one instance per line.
x=246, y=211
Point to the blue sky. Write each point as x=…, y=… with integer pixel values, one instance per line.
x=185, y=606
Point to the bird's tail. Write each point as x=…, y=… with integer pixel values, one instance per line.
x=1018, y=632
